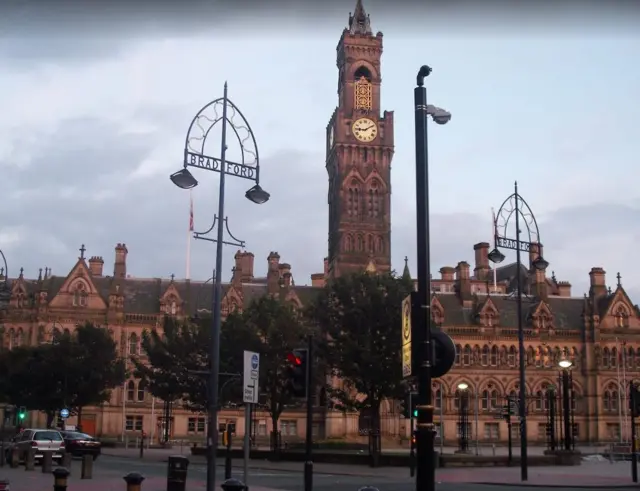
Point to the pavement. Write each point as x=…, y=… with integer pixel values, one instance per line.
x=287, y=476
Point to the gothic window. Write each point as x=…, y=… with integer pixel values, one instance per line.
x=613, y=358
x=458, y=353
x=622, y=317
x=511, y=358
x=606, y=358
x=438, y=399
x=141, y=390
x=485, y=400
x=610, y=398
x=379, y=245
x=373, y=200
x=348, y=244
x=353, y=200
x=370, y=244
x=495, y=399
x=539, y=357
x=131, y=390
x=80, y=295
x=171, y=306
x=489, y=319
x=485, y=356
x=133, y=344
x=20, y=341
x=494, y=356
x=630, y=358
x=466, y=355
x=539, y=400
x=359, y=244
x=20, y=300
x=531, y=356
x=12, y=338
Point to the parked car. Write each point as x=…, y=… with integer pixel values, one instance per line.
x=41, y=439
x=79, y=444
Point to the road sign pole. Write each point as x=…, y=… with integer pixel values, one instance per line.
x=308, y=465
x=250, y=391
x=247, y=443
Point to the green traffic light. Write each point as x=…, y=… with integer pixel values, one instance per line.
x=21, y=415
x=415, y=413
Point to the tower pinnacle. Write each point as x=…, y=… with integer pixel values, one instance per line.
x=359, y=22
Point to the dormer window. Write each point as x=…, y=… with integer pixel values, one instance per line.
x=171, y=306
x=80, y=295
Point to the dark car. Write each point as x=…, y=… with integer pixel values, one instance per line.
x=79, y=444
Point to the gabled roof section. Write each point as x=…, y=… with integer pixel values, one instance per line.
x=79, y=277
x=619, y=297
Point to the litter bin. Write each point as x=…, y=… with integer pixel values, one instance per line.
x=177, y=473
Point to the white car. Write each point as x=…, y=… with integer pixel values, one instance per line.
x=41, y=439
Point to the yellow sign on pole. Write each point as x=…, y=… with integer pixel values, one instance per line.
x=406, y=337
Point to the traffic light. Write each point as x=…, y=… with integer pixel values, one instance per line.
x=296, y=372
x=22, y=413
x=409, y=407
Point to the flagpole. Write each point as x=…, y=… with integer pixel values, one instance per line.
x=189, y=234
x=493, y=232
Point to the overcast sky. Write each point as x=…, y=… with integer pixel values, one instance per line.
x=95, y=105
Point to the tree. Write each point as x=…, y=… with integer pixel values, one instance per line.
x=361, y=317
x=93, y=366
x=280, y=329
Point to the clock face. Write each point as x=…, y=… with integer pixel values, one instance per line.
x=365, y=130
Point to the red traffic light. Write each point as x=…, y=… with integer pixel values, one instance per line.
x=292, y=358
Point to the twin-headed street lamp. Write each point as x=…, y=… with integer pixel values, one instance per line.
x=248, y=168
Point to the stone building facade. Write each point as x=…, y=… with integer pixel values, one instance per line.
x=599, y=331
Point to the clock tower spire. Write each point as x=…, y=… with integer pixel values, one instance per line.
x=359, y=154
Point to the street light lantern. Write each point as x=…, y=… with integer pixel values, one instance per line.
x=463, y=386
x=540, y=263
x=257, y=195
x=495, y=256
x=184, y=179
x=565, y=362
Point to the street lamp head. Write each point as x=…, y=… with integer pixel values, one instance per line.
x=565, y=362
x=257, y=195
x=463, y=386
x=540, y=263
x=183, y=179
x=495, y=256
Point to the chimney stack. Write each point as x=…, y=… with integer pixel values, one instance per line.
x=598, y=282
x=462, y=271
x=244, y=267
x=447, y=273
x=273, y=272
x=463, y=281
x=481, y=271
x=96, y=264
x=120, y=267
x=318, y=280
x=564, y=288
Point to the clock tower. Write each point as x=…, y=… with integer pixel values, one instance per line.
x=359, y=153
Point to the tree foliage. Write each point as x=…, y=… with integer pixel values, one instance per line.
x=74, y=371
x=360, y=315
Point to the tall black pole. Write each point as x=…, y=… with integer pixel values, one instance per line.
x=425, y=472
x=510, y=437
x=214, y=351
x=308, y=464
x=566, y=415
x=523, y=389
x=633, y=403
x=573, y=411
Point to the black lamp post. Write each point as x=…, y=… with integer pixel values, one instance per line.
x=248, y=168
x=426, y=475
x=567, y=398
x=514, y=205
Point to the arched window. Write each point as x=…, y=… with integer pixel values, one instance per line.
x=539, y=357
x=606, y=358
x=133, y=344
x=438, y=399
x=362, y=93
x=613, y=358
x=374, y=207
x=80, y=295
x=131, y=390
x=353, y=200
x=512, y=357
x=485, y=400
x=20, y=338
x=359, y=244
x=490, y=319
x=495, y=399
x=539, y=400
x=631, y=355
x=622, y=316
x=12, y=338
x=348, y=243
x=370, y=244
x=494, y=356
x=379, y=245
x=531, y=356
x=458, y=354
x=466, y=355
x=141, y=390
x=485, y=356
x=610, y=398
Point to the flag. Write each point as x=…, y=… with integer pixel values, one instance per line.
x=190, y=213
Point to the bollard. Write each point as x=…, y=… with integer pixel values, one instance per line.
x=177, y=473
x=30, y=460
x=60, y=476
x=134, y=481
x=4, y=484
x=87, y=467
x=66, y=461
x=142, y=444
x=15, y=457
x=233, y=485
x=47, y=462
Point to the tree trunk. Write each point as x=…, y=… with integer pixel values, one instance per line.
x=374, y=433
x=275, y=437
